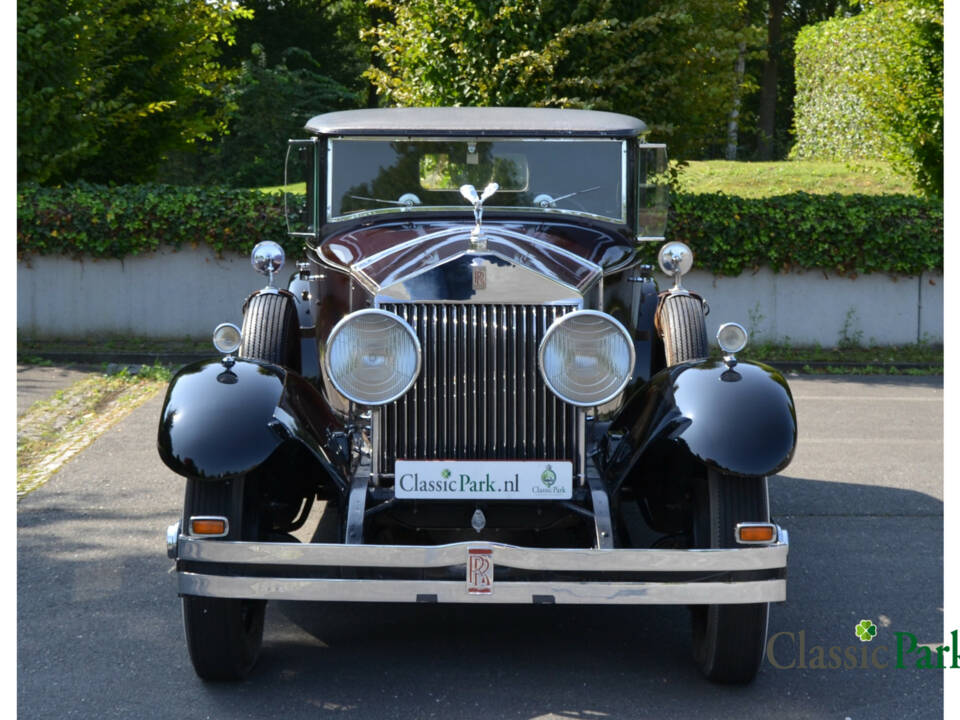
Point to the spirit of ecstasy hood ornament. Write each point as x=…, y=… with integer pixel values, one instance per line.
x=469, y=193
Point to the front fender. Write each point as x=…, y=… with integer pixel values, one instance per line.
x=740, y=421
x=220, y=422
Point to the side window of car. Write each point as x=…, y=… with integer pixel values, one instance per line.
x=299, y=190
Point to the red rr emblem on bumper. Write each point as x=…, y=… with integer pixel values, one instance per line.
x=479, y=571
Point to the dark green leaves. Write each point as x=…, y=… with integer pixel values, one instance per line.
x=847, y=234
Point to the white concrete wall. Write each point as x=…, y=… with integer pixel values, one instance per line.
x=173, y=294
x=166, y=294
x=810, y=307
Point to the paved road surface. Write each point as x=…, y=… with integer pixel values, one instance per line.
x=99, y=632
x=38, y=382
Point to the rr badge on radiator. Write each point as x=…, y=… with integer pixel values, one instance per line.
x=479, y=278
x=479, y=571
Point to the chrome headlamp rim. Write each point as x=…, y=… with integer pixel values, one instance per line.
x=732, y=350
x=580, y=313
x=227, y=349
x=402, y=323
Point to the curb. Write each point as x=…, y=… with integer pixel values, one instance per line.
x=119, y=358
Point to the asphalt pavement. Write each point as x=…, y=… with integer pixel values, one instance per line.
x=38, y=382
x=99, y=631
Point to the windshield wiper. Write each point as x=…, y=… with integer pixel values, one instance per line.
x=546, y=200
x=407, y=200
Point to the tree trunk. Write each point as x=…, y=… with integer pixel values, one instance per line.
x=734, y=124
x=768, y=87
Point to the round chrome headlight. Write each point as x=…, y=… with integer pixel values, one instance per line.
x=586, y=358
x=226, y=337
x=372, y=357
x=731, y=337
x=675, y=258
x=267, y=257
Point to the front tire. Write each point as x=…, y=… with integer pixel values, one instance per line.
x=223, y=634
x=728, y=640
x=683, y=328
x=271, y=330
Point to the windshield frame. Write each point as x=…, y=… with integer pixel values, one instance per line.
x=461, y=209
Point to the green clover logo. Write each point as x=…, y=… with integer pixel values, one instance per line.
x=866, y=630
x=548, y=477
x=445, y=473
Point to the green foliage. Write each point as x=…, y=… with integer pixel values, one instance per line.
x=670, y=62
x=113, y=222
x=329, y=31
x=849, y=234
x=765, y=179
x=872, y=86
x=106, y=87
x=845, y=234
x=272, y=104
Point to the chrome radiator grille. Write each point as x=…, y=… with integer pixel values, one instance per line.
x=480, y=394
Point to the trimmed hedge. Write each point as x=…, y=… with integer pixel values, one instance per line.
x=871, y=85
x=113, y=222
x=847, y=234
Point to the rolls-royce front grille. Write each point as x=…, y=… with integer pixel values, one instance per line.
x=480, y=394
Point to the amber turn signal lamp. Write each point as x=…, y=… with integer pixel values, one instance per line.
x=756, y=533
x=209, y=526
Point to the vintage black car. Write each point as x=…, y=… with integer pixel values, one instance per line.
x=471, y=390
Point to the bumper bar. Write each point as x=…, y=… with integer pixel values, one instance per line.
x=243, y=558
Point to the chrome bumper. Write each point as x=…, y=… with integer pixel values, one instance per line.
x=227, y=569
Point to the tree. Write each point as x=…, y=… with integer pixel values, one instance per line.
x=773, y=106
x=670, y=62
x=272, y=105
x=106, y=87
x=328, y=30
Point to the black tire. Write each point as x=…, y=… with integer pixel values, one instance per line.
x=683, y=328
x=729, y=640
x=271, y=330
x=223, y=634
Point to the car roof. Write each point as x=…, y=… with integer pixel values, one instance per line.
x=477, y=122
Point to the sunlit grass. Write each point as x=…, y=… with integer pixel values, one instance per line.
x=765, y=179
x=296, y=189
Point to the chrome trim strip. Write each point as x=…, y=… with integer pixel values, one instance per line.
x=452, y=591
x=522, y=558
x=603, y=523
x=461, y=233
x=356, y=510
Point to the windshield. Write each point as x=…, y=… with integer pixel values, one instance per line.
x=582, y=176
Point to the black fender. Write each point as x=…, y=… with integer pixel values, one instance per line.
x=222, y=422
x=738, y=420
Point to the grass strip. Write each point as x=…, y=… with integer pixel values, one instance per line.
x=54, y=430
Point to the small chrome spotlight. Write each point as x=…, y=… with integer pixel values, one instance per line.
x=267, y=259
x=732, y=338
x=226, y=339
x=676, y=259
